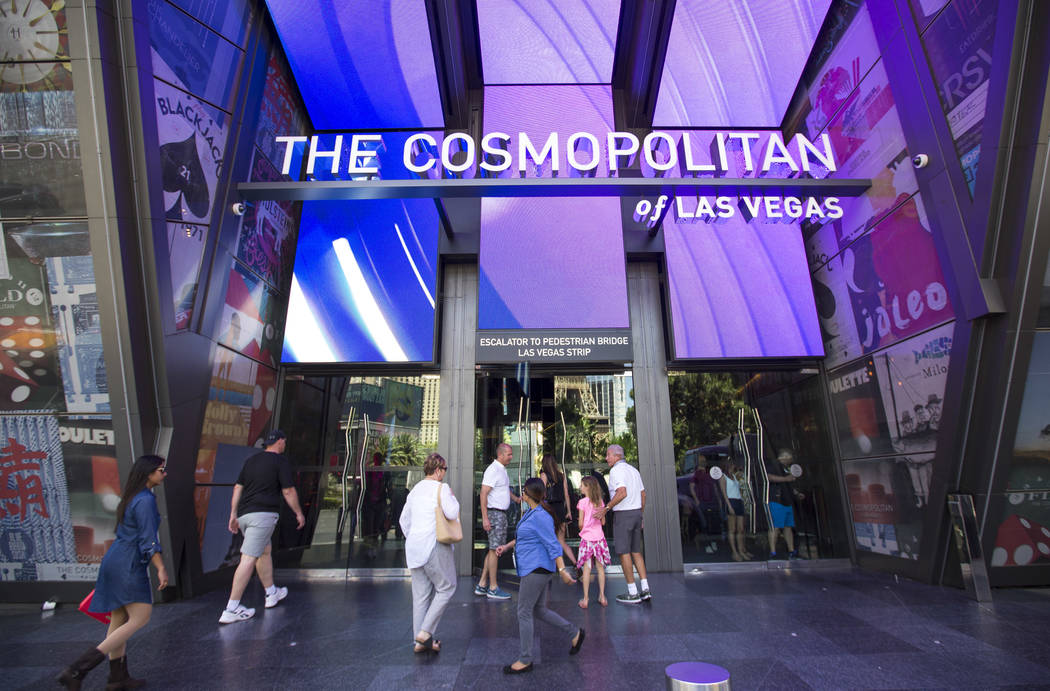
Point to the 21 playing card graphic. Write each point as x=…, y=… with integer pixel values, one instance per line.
x=181, y=173
x=192, y=137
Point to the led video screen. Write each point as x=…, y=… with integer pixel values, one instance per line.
x=384, y=77
x=551, y=263
x=739, y=289
x=364, y=282
x=568, y=42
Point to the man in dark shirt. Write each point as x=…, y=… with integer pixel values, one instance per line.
x=781, y=500
x=264, y=479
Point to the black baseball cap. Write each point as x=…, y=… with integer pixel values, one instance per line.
x=274, y=437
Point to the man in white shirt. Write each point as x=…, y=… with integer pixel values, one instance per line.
x=627, y=504
x=495, y=500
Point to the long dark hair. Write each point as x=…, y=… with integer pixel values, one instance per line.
x=137, y=478
x=550, y=468
x=536, y=490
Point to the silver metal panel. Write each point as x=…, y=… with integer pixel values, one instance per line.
x=547, y=187
x=652, y=405
x=459, y=318
x=967, y=539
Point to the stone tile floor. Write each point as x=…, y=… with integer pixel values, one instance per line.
x=794, y=629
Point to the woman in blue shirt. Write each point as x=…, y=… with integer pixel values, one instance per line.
x=123, y=589
x=539, y=553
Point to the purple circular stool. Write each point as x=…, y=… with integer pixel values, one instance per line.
x=696, y=675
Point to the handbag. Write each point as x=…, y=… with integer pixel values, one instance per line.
x=86, y=603
x=448, y=532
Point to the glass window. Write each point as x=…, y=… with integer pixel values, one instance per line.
x=738, y=437
x=1023, y=535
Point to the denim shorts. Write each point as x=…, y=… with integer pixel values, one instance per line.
x=257, y=528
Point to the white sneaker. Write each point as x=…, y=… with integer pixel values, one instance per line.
x=278, y=595
x=242, y=613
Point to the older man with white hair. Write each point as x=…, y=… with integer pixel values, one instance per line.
x=627, y=504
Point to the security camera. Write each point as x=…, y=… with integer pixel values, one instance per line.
x=920, y=160
x=239, y=208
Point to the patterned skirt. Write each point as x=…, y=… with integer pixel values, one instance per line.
x=598, y=549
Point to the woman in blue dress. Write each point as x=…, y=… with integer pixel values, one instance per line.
x=123, y=588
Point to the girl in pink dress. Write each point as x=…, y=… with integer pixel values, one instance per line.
x=592, y=539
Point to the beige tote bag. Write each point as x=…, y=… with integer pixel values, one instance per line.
x=448, y=532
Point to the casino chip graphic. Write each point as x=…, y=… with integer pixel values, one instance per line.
x=182, y=173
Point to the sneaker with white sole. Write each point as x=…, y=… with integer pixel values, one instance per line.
x=278, y=595
x=242, y=613
x=646, y=595
x=480, y=590
x=498, y=594
x=629, y=599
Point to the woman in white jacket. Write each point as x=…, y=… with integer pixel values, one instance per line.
x=430, y=562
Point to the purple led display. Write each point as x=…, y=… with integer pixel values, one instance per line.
x=735, y=62
x=549, y=263
x=739, y=290
x=361, y=64
x=547, y=42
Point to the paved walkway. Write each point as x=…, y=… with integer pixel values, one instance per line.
x=812, y=628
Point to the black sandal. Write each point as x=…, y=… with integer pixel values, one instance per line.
x=509, y=669
x=579, y=643
x=427, y=645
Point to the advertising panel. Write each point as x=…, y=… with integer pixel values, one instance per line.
x=893, y=279
x=185, y=252
x=34, y=30
x=78, y=329
x=868, y=142
x=1023, y=536
x=40, y=170
x=94, y=482
x=887, y=497
x=279, y=113
x=29, y=371
x=959, y=45
x=36, y=529
x=266, y=242
x=860, y=419
x=739, y=289
x=250, y=323
x=911, y=378
x=232, y=18
x=364, y=283
x=192, y=137
x=204, y=62
x=392, y=402
x=241, y=401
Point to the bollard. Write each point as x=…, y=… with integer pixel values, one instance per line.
x=691, y=676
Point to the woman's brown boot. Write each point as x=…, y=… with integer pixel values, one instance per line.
x=119, y=678
x=73, y=676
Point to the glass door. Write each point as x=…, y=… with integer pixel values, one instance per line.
x=570, y=416
x=376, y=435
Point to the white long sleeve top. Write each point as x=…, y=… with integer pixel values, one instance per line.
x=418, y=522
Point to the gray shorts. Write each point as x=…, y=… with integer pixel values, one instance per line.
x=627, y=531
x=498, y=534
x=257, y=528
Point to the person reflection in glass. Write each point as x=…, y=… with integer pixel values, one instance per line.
x=373, y=511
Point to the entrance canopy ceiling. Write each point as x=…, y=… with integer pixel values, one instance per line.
x=413, y=63
x=735, y=63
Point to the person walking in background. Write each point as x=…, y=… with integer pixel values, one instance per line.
x=430, y=562
x=628, y=505
x=123, y=588
x=781, y=501
x=558, y=499
x=592, y=539
x=494, y=501
x=539, y=553
x=264, y=479
x=734, y=504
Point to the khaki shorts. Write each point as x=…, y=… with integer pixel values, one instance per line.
x=257, y=528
